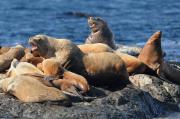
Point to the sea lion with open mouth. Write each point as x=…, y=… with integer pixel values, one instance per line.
x=100, y=32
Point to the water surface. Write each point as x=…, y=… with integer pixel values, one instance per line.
x=132, y=21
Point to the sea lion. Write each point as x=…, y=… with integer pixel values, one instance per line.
x=133, y=64
x=94, y=48
x=169, y=71
x=100, y=32
x=29, y=89
x=19, y=68
x=4, y=49
x=51, y=67
x=152, y=54
x=105, y=69
x=67, y=53
x=109, y=66
x=6, y=58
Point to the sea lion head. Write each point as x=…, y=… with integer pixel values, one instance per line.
x=51, y=67
x=96, y=24
x=39, y=45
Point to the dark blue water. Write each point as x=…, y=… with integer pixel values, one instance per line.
x=132, y=21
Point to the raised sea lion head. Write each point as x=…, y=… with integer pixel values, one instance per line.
x=39, y=44
x=96, y=24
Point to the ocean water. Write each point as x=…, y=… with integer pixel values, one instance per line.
x=132, y=21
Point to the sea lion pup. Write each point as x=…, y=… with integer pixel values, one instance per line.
x=152, y=54
x=105, y=67
x=28, y=89
x=133, y=64
x=6, y=58
x=100, y=32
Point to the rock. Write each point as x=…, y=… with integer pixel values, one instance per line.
x=127, y=103
x=131, y=50
x=159, y=89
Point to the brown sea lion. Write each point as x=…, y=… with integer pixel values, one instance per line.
x=133, y=64
x=6, y=58
x=29, y=89
x=51, y=67
x=31, y=58
x=67, y=53
x=95, y=48
x=109, y=66
x=105, y=69
x=152, y=54
x=4, y=49
x=100, y=32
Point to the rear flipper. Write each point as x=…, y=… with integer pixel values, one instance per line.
x=170, y=71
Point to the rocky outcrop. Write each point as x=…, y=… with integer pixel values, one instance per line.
x=154, y=98
x=131, y=50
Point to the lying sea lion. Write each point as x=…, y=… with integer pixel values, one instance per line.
x=108, y=69
x=68, y=79
x=94, y=48
x=169, y=71
x=51, y=67
x=4, y=49
x=6, y=58
x=19, y=68
x=29, y=89
x=105, y=69
x=100, y=32
x=67, y=53
x=133, y=64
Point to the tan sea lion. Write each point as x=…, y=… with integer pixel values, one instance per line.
x=133, y=64
x=67, y=53
x=100, y=32
x=105, y=69
x=65, y=82
x=29, y=89
x=6, y=58
x=108, y=69
x=4, y=49
x=152, y=54
x=94, y=48
x=51, y=67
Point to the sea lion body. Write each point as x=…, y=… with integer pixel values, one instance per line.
x=67, y=53
x=105, y=69
x=51, y=67
x=4, y=49
x=28, y=89
x=133, y=64
x=6, y=58
x=100, y=32
x=152, y=54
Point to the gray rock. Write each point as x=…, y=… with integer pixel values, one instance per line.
x=131, y=50
x=127, y=103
